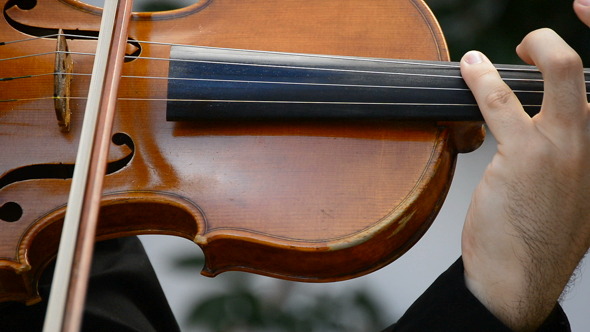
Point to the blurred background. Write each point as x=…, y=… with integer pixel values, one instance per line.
x=239, y=302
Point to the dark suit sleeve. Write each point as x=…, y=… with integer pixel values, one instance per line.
x=124, y=295
x=447, y=305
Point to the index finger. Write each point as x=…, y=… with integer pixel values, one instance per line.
x=499, y=106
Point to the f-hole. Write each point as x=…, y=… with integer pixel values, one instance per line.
x=12, y=211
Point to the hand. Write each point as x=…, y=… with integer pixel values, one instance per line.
x=528, y=225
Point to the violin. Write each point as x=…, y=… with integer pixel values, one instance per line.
x=276, y=136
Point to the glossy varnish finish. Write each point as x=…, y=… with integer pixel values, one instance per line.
x=305, y=200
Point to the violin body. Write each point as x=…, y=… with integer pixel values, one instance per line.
x=296, y=199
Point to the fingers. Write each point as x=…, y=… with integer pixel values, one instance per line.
x=565, y=103
x=564, y=97
x=499, y=106
x=582, y=9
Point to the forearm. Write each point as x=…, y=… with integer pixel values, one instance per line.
x=520, y=298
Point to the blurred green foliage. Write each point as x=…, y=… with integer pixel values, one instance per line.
x=281, y=306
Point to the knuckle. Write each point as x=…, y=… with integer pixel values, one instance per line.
x=542, y=33
x=553, y=54
x=564, y=62
x=499, y=97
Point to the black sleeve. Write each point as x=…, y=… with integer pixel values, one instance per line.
x=447, y=305
x=124, y=294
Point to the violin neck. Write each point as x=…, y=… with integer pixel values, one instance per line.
x=213, y=83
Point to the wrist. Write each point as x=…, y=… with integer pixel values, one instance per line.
x=518, y=299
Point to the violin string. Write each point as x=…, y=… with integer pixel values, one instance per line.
x=231, y=63
x=453, y=65
x=50, y=36
x=24, y=76
x=29, y=56
x=450, y=65
x=266, y=83
x=254, y=82
x=367, y=86
x=278, y=67
x=240, y=101
x=441, y=64
x=244, y=81
x=28, y=39
x=260, y=101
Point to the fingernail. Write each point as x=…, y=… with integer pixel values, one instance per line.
x=583, y=2
x=473, y=57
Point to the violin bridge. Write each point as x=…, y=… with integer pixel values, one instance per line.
x=64, y=66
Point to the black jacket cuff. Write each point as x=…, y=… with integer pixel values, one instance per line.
x=447, y=305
